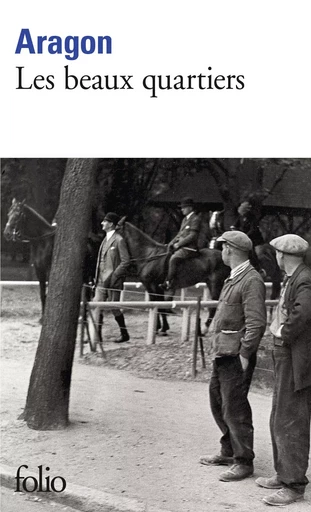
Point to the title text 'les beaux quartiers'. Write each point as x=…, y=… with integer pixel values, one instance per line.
x=72, y=46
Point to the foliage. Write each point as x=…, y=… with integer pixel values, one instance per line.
x=127, y=185
x=38, y=180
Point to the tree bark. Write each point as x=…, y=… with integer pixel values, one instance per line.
x=47, y=405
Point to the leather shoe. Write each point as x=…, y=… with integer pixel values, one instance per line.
x=216, y=460
x=269, y=483
x=237, y=472
x=283, y=497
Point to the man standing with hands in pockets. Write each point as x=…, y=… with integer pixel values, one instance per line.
x=236, y=331
x=291, y=404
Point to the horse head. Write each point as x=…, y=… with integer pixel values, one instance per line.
x=121, y=223
x=25, y=223
x=16, y=216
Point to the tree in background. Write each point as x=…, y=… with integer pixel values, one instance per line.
x=47, y=403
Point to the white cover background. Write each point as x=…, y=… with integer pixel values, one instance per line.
x=267, y=41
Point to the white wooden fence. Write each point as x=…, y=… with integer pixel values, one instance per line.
x=185, y=306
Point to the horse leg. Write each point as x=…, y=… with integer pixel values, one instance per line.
x=165, y=325
x=162, y=323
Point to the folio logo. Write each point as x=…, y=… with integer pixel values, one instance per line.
x=41, y=484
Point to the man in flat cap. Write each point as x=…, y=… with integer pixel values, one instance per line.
x=112, y=263
x=291, y=405
x=185, y=244
x=236, y=330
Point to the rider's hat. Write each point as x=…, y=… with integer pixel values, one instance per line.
x=237, y=239
x=112, y=217
x=290, y=244
x=186, y=201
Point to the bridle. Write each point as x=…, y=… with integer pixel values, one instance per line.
x=119, y=228
x=17, y=231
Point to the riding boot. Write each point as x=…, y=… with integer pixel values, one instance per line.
x=124, y=334
x=169, y=283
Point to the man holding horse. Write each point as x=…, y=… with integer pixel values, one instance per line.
x=236, y=330
x=291, y=405
x=185, y=244
x=112, y=263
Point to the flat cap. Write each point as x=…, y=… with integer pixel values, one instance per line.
x=290, y=244
x=112, y=217
x=237, y=239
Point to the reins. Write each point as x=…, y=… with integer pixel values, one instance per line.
x=29, y=238
x=17, y=233
x=150, y=258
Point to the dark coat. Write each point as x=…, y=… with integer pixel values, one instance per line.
x=240, y=319
x=296, y=331
x=112, y=262
x=188, y=234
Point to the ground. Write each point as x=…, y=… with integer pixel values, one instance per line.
x=139, y=421
x=169, y=358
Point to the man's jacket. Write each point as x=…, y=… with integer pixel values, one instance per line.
x=240, y=319
x=189, y=232
x=296, y=331
x=112, y=262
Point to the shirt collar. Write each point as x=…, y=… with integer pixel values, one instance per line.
x=109, y=234
x=239, y=269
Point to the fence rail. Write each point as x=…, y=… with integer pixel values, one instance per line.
x=186, y=306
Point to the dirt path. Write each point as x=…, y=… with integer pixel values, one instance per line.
x=131, y=436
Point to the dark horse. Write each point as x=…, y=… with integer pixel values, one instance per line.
x=151, y=261
x=264, y=259
x=24, y=223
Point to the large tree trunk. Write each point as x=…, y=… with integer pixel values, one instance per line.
x=47, y=403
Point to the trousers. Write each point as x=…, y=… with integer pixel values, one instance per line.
x=102, y=295
x=176, y=260
x=228, y=390
x=289, y=423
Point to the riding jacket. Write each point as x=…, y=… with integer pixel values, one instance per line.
x=189, y=232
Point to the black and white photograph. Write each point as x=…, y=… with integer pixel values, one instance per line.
x=155, y=345
x=155, y=256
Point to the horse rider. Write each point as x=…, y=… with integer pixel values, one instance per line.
x=248, y=223
x=185, y=244
x=112, y=262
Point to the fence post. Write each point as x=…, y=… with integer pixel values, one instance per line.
x=83, y=319
x=196, y=337
x=152, y=326
x=185, y=326
x=206, y=293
